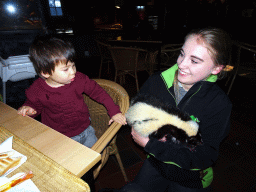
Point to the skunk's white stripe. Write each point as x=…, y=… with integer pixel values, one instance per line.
x=146, y=119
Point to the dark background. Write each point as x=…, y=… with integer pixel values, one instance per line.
x=91, y=20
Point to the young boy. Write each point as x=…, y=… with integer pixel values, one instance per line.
x=57, y=94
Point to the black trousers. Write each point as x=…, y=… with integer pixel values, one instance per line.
x=148, y=179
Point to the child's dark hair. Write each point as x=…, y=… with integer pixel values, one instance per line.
x=47, y=51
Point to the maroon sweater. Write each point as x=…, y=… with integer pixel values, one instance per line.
x=63, y=108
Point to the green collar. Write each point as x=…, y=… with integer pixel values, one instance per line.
x=169, y=74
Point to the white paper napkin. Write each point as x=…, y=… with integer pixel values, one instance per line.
x=7, y=146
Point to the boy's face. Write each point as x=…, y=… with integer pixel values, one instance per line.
x=62, y=75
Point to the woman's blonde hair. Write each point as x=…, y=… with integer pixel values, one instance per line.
x=218, y=43
x=219, y=46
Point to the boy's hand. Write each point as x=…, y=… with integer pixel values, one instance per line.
x=119, y=118
x=26, y=110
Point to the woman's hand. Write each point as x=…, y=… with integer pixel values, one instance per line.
x=119, y=118
x=141, y=141
x=26, y=110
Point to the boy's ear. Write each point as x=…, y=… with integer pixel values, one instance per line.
x=45, y=75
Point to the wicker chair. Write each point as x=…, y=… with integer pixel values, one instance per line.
x=128, y=60
x=244, y=62
x=105, y=55
x=106, y=144
x=168, y=57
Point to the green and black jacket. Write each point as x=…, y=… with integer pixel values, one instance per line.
x=209, y=105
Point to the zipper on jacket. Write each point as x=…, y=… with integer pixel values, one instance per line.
x=190, y=98
x=187, y=100
x=173, y=98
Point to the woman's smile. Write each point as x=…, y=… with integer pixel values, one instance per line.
x=182, y=73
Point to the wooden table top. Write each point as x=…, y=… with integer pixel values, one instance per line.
x=73, y=156
x=49, y=176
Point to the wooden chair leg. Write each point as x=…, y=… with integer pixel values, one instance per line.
x=121, y=166
x=114, y=151
x=108, y=67
x=137, y=82
x=104, y=159
x=100, y=69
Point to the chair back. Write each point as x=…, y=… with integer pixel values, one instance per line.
x=170, y=53
x=168, y=56
x=128, y=58
x=246, y=55
x=99, y=115
x=104, y=51
x=244, y=61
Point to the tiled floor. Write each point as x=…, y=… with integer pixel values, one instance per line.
x=235, y=169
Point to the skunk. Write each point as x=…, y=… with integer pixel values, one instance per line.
x=151, y=117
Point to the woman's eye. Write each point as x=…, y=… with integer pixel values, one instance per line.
x=66, y=69
x=194, y=62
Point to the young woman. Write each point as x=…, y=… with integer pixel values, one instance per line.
x=190, y=86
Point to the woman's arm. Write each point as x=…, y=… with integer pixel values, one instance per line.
x=214, y=128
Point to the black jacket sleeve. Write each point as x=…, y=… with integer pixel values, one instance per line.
x=184, y=177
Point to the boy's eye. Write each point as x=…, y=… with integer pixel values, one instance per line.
x=68, y=67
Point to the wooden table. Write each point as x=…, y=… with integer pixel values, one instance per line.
x=49, y=176
x=68, y=153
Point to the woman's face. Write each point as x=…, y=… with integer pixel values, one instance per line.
x=195, y=63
